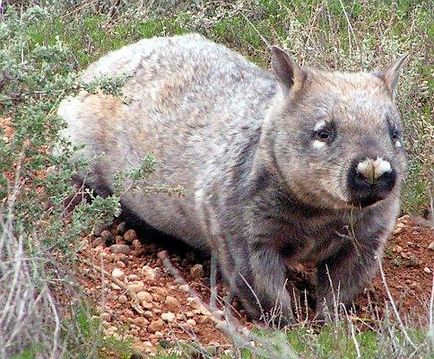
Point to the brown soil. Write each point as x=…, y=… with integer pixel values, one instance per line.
x=144, y=301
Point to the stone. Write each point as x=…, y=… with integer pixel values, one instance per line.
x=118, y=274
x=130, y=236
x=172, y=303
x=431, y=246
x=136, y=287
x=144, y=297
x=106, y=236
x=122, y=299
x=156, y=325
x=427, y=270
x=120, y=249
x=196, y=271
x=149, y=272
x=120, y=229
x=184, y=287
x=168, y=317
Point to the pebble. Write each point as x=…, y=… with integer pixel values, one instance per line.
x=147, y=305
x=156, y=325
x=161, y=291
x=149, y=272
x=431, y=246
x=118, y=274
x=97, y=243
x=133, y=277
x=168, y=317
x=172, y=303
x=136, y=287
x=120, y=229
x=144, y=297
x=120, y=264
x=119, y=240
x=130, y=236
x=184, y=287
x=136, y=244
x=140, y=321
x=122, y=299
x=397, y=249
x=196, y=271
x=148, y=314
x=115, y=286
x=120, y=249
x=106, y=236
x=427, y=270
x=106, y=316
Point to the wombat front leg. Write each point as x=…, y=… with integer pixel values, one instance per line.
x=260, y=283
x=343, y=275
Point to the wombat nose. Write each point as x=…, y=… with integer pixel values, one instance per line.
x=370, y=180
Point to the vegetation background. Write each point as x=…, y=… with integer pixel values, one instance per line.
x=43, y=46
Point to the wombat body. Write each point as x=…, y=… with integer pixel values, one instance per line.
x=300, y=165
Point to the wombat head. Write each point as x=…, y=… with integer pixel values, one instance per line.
x=337, y=136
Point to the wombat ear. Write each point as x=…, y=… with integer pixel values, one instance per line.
x=288, y=72
x=390, y=76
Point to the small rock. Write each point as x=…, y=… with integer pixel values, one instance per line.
x=397, y=248
x=147, y=305
x=149, y=272
x=122, y=299
x=397, y=230
x=148, y=314
x=156, y=325
x=120, y=248
x=115, y=286
x=97, y=243
x=191, y=322
x=189, y=314
x=184, y=287
x=140, y=321
x=197, y=271
x=168, y=317
x=106, y=316
x=120, y=264
x=144, y=297
x=118, y=274
x=172, y=303
x=120, y=229
x=133, y=277
x=130, y=236
x=119, y=240
x=161, y=291
x=136, y=287
x=98, y=231
x=137, y=245
x=106, y=236
x=156, y=297
x=431, y=246
x=427, y=270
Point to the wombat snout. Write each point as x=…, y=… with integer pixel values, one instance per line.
x=370, y=180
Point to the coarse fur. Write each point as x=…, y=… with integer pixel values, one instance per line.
x=260, y=187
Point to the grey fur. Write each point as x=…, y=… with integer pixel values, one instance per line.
x=258, y=193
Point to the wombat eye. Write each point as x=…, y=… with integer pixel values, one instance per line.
x=395, y=135
x=323, y=134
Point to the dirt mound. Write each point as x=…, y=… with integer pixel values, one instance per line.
x=139, y=298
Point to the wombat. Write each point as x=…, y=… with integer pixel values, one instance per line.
x=295, y=165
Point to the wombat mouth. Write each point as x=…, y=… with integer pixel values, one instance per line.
x=368, y=201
